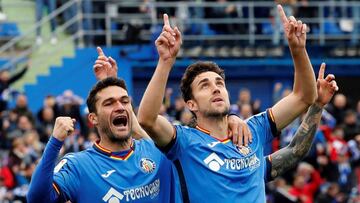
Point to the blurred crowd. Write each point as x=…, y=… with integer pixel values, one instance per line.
x=330, y=172
x=336, y=19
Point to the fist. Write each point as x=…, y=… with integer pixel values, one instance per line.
x=63, y=127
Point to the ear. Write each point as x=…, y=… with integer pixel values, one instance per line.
x=192, y=105
x=93, y=118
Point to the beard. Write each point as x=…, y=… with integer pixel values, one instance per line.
x=217, y=114
x=120, y=140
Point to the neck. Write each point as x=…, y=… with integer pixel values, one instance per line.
x=115, y=146
x=218, y=127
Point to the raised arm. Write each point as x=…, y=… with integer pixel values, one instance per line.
x=299, y=146
x=42, y=188
x=304, y=89
x=158, y=127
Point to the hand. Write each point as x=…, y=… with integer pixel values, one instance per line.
x=169, y=41
x=63, y=127
x=239, y=131
x=326, y=87
x=295, y=31
x=104, y=67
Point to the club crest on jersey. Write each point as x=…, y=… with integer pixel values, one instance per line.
x=147, y=165
x=244, y=150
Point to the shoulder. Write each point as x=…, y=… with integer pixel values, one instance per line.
x=184, y=129
x=77, y=157
x=258, y=119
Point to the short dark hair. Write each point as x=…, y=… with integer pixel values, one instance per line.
x=100, y=85
x=194, y=70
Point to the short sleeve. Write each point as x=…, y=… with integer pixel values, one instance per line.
x=264, y=125
x=180, y=142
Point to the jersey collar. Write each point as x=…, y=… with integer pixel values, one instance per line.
x=122, y=155
x=226, y=140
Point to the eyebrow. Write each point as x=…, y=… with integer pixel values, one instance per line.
x=113, y=98
x=203, y=80
x=219, y=78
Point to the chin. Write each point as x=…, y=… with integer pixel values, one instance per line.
x=217, y=114
x=120, y=137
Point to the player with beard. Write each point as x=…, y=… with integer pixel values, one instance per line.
x=209, y=165
x=117, y=168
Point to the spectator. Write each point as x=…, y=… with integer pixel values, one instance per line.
x=21, y=107
x=24, y=124
x=338, y=107
x=281, y=194
x=331, y=195
x=306, y=183
x=46, y=124
x=354, y=147
x=49, y=101
x=5, y=81
x=50, y=5
x=244, y=97
x=177, y=109
x=69, y=104
x=351, y=127
x=87, y=24
x=224, y=10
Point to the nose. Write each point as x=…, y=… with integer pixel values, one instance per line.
x=119, y=106
x=215, y=88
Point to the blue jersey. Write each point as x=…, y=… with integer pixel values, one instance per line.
x=218, y=171
x=141, y=174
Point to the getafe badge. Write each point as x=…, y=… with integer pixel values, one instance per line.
x=147, y=165
x=244, y=150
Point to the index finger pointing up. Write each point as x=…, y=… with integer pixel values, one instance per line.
x=322, y=71
x=166, y=20
x=100, y=51
x=282, y=14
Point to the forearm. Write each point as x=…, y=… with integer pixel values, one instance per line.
x=151, y=102
x=304, y=79
x=41, y=189
x=17, y=76
x=289, y=156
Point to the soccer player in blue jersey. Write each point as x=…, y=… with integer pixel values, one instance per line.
x=210, y=167
x=117, y=168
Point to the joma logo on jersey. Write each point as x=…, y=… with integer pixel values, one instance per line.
x=147, y=165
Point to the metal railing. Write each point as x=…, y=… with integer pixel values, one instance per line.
x=15, y=55
x=328, y=13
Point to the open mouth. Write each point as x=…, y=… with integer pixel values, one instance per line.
x=217, y=100
x=120, y=121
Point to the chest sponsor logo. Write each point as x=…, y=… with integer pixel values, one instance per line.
x=150, y=190
x=214, y=162
x=113, y=196
x=147, y=165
